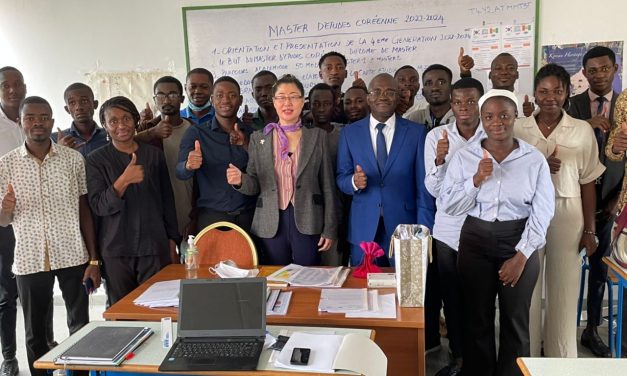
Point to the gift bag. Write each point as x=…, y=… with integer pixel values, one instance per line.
x=619, y=239
x=411, y=248
x=372, y=250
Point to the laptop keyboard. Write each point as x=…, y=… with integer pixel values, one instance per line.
x=196, y=350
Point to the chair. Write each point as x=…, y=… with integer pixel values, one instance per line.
x=226, y=241
x=611, y=282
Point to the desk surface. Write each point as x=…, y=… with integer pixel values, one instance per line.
x=401, y=339
x=150, y=354
x=615, y=267
x=303, y=307
x=572, y=367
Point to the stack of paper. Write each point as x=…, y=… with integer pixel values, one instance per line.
x=161, y=294
x=343, y=300
x=297, y=275
x=384, y=308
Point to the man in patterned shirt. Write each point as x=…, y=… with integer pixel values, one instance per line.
x=44, y=196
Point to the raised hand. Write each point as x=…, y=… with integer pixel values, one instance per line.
x=442, y=149
x=237, y=137
x=67, y=140
x=600, y=122
x=8, y=201
x=528, y=107
x=465, y=62
x=164, y=128
x=357, y=81
x=620, y=140
x=194, y=158
x=133, y=173
x=233, y=175
x=146, y=114
x=484, y=170
x=554, y=163
x=359, y=178
x=247, y=117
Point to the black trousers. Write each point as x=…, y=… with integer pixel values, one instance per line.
x=8, y=293
x=598, y=271
x=125, y=274
x=483, y=248
x=243, y=218
x=35, y=291
x=451, y=289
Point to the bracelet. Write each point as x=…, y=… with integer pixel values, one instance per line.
x=589, y=232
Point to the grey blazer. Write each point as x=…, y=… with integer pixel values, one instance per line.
x=316, y=205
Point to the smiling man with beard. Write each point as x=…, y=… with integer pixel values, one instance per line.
x=207, y=150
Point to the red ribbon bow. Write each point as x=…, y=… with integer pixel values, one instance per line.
x=372, y=250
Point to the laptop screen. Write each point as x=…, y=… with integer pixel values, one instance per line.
x=222, y=307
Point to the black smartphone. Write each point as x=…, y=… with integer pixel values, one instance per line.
x=300, y=356
x=89, y=286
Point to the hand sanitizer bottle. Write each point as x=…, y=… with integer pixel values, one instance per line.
x=191, y=258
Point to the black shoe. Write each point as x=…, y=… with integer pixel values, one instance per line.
x=590, y=339
x=9, y=368
x=450, y=370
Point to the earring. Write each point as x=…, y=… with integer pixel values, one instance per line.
x=107, y=136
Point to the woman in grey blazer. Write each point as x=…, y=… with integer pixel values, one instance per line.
x=290, y=168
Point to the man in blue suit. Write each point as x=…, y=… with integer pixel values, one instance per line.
x=380, y=163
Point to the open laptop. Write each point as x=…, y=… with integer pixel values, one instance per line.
x=221, y=325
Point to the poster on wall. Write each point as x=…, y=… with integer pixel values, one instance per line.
x=570, y=56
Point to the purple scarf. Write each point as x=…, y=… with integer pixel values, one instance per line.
x=281, y=129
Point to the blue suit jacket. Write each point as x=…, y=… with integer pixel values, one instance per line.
x=399, y=189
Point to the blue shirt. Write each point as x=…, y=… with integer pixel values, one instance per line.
x=519, y=187
x=217, y=152
x=447, y=227
x=189, y=114
x=98, y=139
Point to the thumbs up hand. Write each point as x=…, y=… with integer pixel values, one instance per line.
x=8, y=201
x=237, y=137
x=194, y=158
x=484, y=170
x=465, y=62
x=233, y=175
x=554, y=163
x=620, y=140
x=247, y=117
x=357, y=81
x=528, y=107
x=164, y=128
x=67, y=140
x=133, y=173
x=145, y=116
x=359, y=178
x=442, y=149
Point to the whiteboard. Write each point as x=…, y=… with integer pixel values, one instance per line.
x=376, y=36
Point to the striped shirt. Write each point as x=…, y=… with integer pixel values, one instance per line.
x=285, y=172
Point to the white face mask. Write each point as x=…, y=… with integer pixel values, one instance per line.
x=228, y=269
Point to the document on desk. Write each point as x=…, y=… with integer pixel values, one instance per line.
x=343, y=300
x=160, y=294
x=330, y=352
x=297, y=275
x=386, y=308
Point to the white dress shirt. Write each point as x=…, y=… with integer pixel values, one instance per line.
x=11, y=135
x=447, y=227
x=388, y=133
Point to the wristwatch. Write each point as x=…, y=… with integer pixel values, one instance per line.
x=95, y=262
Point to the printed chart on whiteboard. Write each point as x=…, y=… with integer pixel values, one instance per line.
x=376, y=36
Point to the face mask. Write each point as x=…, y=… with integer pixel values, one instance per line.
x=228, y=269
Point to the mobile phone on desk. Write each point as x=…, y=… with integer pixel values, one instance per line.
x=300, y=356
x=88, y=284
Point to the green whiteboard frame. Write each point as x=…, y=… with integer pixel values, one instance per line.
x=271, y=4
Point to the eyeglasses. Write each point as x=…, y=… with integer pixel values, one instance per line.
x=170, y=96
x=291, y=98
x=387, y=93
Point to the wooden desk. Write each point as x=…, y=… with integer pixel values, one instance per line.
x=150, y=354
x=621, y=275
x=401, y=339
x=572, y=367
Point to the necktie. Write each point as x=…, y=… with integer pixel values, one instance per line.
x=601, y=101
x=382, y=150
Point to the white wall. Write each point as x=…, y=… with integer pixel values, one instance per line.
x=55, y=43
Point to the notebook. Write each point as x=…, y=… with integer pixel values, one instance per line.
x=221, y=325
x=105, y=345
